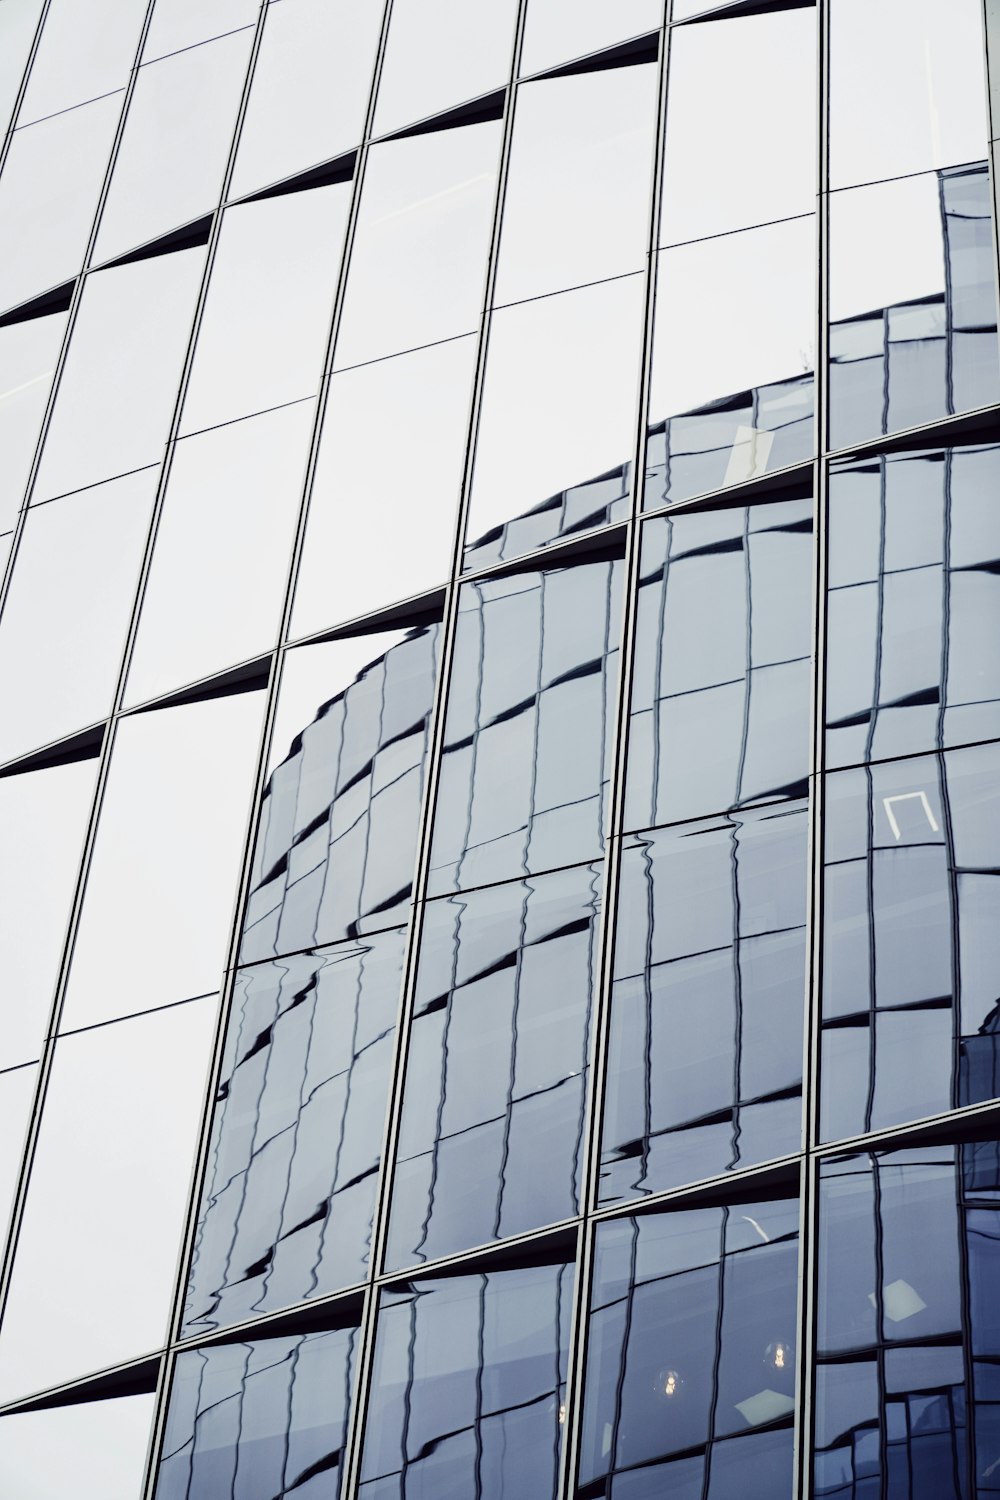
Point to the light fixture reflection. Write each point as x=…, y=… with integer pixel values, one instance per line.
x=668, y=1384
x=778, y=1355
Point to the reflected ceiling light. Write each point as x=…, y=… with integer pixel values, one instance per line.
x=766, y=1406
x=668, y=1383
x=899, y=1301
x=779, y=1355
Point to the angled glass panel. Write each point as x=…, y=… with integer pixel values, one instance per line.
x=28, y=355
x=296, y=1140
x=267, y=311
x=18, y=21
x=705, y=1058
x=359, y=556
x=337, y=838
x=720, y=694
x=88, y=1449
x=171, y=160
x=169, y=847
x=118, y=386
x=184, y=23
x=557, y=30
x=62, y=635
x=44, y=816
x=469, y=1384
x=557, y=426
x=907, y=88
x=913, y=604
x=264, y=1417
x=223, y=547
x=51, y=182
x=907, y=1339
x=685, y=10
x=911, y=921
x=752, y=80
x=491, y=1139
x=85, y=51
x=440, y=53
x=17, y=1097
x=418, y=257
x=97, y=1252
x=733, y=356
x=528, y=728
x=913, y=317
x=310, y=88
x=576, y=204
x=690, y=1384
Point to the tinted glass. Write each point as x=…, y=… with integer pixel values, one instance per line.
x=491, y=1138
x=90, y=1449
x=530, y=712
x=28, y=355
x=557, y=30
x=84, y=51
x=439, y=53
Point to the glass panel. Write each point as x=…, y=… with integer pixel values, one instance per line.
x=913, y=605
x=913, y=330
x=310, y=89
x=28, y=355
x=733, y=354
x=912, y=918
x=907, y=88
x=398, y=543
x=720, y=694
x=61, y=637
x=683, y=10
x=118, y=386
x=295, y=1151
x=469, y=1387
x=491, y=1138
x=94, y=1448
x=85, y=51
x=527, y=733
x=557, y=30
x=557, y=427
x=97, y=1253
x=171, y=161
x=576, y=206
x=273, y=1410
x=49, y=189
x=440, y=53
x=18, y=21
x=168, y=853
x=17, y=1096
x=340, y=818
x=751, y=79
x=705, y=1060
x=418, y=261
x=223, y=547
x=183, y=23
x=267, y=312
x=690, y=1385
x=44, y=817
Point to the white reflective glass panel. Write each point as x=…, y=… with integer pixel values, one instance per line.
x=85, y=51
x=185, y=23
x=28, y=354
x=95, y=1450
x=18, y=20
x=17, y=1095
x=440, y=53
x=557, y=30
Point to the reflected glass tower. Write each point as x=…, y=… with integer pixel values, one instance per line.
x=500, y=762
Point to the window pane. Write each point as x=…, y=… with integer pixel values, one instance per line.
x=18, y=21
x=17, y=1096
x=440, y=53
x=557, y=30
x=85, y=51
x=28, y=355
x=183, y=23
x=89, y=1449
x=492, y=1129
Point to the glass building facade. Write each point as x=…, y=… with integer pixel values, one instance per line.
x=500, y=750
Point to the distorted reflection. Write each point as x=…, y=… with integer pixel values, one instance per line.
x=913, y=330
x=705, y=1053
x=267, y=1417
x=913, y=611
x=339, y=820
x=911, y=1003
x=296, y=1137
x=530, y=711
x=469, y=1386
x=493, y=1110
x=720, y=697
x=690, y=1386
x=907, y=1398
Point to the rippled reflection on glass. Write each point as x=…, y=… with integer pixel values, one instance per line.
x=913, y=317
x=705, y=1053
x=469, y=1384
x=911, y=1002
x=913, y=609
x=720, y=696
x=267, y=1417
x=690, y=1385
x=339, y=820
x=491, y=1136
x=296, y=1138
x=527, y=733
x=908, y=1339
